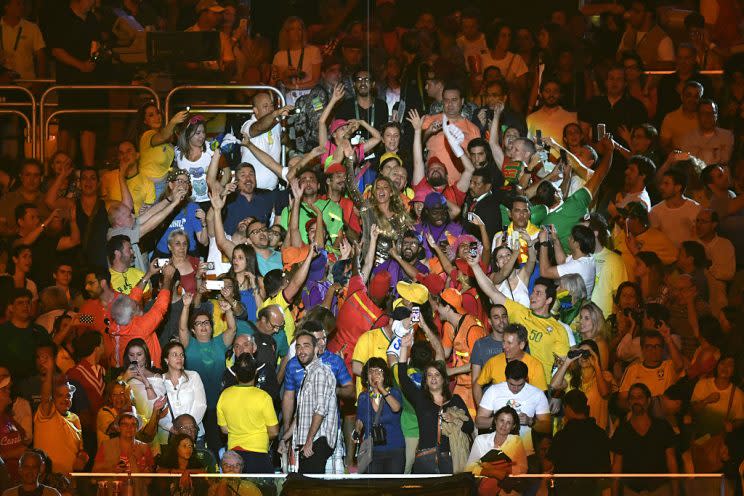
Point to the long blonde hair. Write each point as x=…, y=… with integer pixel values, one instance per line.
x=283, y=41
x=597, y=318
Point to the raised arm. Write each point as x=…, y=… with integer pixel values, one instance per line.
x=529, y=266
x=73, y=239
x=225, y=245
x=298, y=279
x=293, y=233
x=149, y=221
x=165, y=134
x=267, y=122
x=228, y=335
x=488, y=288
x=336, y=96
x=374, y=135
x=419, y=170
x=183, y=321
x=494, y=134
x=605, y=148
x=369, y=257
x=215, y=186
x=576, y=165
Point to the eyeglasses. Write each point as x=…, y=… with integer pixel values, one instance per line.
x=232, y=465
x=177, y=355
x=258, y=231
x=276, y=327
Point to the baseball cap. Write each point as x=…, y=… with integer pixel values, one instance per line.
x=413, y=292
x=336, y=124
x=434, y=200
x=334, y=167
x=292, y=255
x=453, y=298
x=433, y=282
x=208, y=5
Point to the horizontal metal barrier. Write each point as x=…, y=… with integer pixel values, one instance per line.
x=45, y=119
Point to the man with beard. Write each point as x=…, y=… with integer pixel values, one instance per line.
x=551, y=118
x=295, y=374
x=404, y=264
x=364, y=105
x=335, y=177
x=258, y=237
x=639, y=172
x=434, y=177
x=120, y=256
x=675, y=216
x=95, y=313
x=315, y=425
x=333, y=217
x=482, y=202
x=436, y=137
x=644, y=444
x=436, y=226
x=247, y=201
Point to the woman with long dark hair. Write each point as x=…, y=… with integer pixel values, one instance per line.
x=195, y=157
x=244, y=270
x=155, y=147
x=435, y=407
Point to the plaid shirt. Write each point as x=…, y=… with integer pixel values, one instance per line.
x=317, y=395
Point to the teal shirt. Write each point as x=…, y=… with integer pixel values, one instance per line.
x=208, y=359
x=568, y=214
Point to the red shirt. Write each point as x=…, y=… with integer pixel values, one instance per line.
x=450, y=192
x=356, y=316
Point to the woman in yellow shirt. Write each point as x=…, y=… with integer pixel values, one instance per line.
x=155, y=147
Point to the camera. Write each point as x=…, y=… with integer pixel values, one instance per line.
x=579, y=353
x=474, y=249
x=636, y=315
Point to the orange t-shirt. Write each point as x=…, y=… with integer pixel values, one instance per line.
x=438, y=146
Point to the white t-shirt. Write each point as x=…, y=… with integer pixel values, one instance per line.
x=512, y=66
x=20, y=58
x=677, y=223
x=197, y=173
x=641, y=197
x=476, y=48
x=215, y=256
x=271, y=143
x=583, y=266
x=521, y=294
x=717, y=412
x=530, y=401
x=309, y=59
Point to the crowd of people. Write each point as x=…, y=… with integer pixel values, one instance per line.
x=462, y=244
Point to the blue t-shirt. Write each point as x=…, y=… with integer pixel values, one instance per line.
x=260, y=207
x=249, y=302
x=485, y=348
x=186, y=220
x=209, y=360
x=388, y=418
x=294, y=373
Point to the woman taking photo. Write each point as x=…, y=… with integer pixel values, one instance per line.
x=206, y=356
x=575, y=141
x=581, y=370
x=504, y=438
x=591, y=327
x=141, y=377
x=438, y=411
x=184, y=389
x=156, y=150
x=649, y=274
x=389, y=451
x=509, y=280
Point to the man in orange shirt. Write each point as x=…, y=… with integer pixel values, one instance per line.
x=434, y=139
x=461, y=331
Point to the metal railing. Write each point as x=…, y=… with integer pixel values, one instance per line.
x=45, y=119
x=12, y=108
x=223, y=108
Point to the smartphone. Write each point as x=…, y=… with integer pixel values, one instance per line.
x=415, y=314
x=244, y=24
x=213, y=285
x=474, y=249
x=208, y=266
x=162, y=262
x=601, y=131
x=471, y=216
x=133, y=364
x=538, y=136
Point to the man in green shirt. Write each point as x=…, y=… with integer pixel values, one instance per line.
x=333, y=217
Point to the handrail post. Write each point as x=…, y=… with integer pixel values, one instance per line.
x=30, y=123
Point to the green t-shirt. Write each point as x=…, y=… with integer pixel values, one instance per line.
x=568, y=214
x=209, y=360
x=333, y=218
x=408, y=419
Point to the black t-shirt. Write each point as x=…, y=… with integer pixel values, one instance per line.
x=18, y=350
x=580, y=447
x=644, y=454
x=350, y=109
x=74, y=35
x=627, y=111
